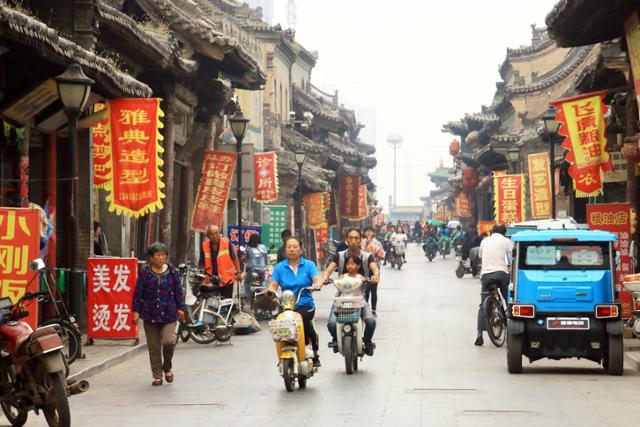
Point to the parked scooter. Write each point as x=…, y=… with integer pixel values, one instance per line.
x=397, y=254
x=349, y=325
x=430, y=248
x=33, y=366
x=295, y=361
x=444, y=246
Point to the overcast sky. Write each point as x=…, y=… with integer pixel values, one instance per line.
x=409, y=66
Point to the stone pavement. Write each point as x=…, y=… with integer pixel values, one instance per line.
x=426, y=371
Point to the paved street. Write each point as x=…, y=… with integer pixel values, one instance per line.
x=426, y=371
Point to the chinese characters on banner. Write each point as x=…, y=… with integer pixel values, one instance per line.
x=583, y=127
x=133, y=132
x=265, y=166
x=315, y=208
x=363, y=209
x=110, y=285
x=101, y=152
x=618, y=218
x=485, y=227
x=247, y=231
x=274, y=220
x=349, y=196
x=19, y=245
x=540, y=185
x=213, y=190
x=463, y=205
x=508, y=197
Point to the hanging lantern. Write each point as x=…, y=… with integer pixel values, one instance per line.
x=454, y=147
x=469, y=178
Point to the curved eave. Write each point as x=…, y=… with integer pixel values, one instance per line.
x=28, y=31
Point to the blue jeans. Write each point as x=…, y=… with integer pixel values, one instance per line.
x=365, y=314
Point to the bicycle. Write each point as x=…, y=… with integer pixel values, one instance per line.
x=495, y=308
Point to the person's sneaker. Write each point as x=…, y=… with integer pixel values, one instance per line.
x=369, y=347
x=374, y=313
x=334, y=345
x=479, y=341
x=316, y=361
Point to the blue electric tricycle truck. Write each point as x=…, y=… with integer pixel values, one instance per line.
x=563, y=302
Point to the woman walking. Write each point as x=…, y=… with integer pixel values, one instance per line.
x=158, y=299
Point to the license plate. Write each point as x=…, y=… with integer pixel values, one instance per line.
x=283, y=332
x=347, y=304
x=568, y=323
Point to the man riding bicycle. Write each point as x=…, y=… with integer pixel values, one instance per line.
x=495, y=257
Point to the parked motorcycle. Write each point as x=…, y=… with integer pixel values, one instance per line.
x=397, y=254
x=444, y=246
x=430, y=249
x=295, y=361
x=33, y=367
x=349, y=325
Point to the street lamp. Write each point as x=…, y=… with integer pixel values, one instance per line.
x=394, y=139
x=239, y=127
x=74, y=88
x=513, y=154
x=301, y=156
x=551, y=128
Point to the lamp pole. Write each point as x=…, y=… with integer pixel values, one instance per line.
x=551, y=128
x=394, y=139
x=74, y=88
x=301, y=156
x=239, y=127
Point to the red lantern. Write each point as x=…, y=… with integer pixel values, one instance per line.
x=454, y=147
x=469, y=178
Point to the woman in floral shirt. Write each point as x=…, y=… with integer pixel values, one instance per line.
x=159, y=301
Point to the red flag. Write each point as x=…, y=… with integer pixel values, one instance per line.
x=265, y=166
x=349, y=196
x=213, y=190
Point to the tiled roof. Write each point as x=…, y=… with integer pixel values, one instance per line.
x=295, y=140
x=309, y=103
x=314, y=177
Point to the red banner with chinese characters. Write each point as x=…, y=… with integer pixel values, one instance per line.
x=363, y=208
x=314, y=204
x=349, y=196
x=110, y=285
x=485, y=227
x=213, y=190
x=463, y=205
x=618, y=218
x=540, y=185
x=508, y=197
x=101, y=151
x=19, y=245
x=265, y=166
x=322, y=233
x=583, y=127
x=133, y=132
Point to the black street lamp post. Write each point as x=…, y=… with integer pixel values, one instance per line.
x=74, y=88
x=301, y=156
x=551, y=127
x=239, y=126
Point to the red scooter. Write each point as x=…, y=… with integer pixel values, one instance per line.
x=33, y=368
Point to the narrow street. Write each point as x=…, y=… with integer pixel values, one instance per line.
x=426, y=371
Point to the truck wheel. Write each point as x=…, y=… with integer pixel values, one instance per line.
x=615, y=355
x=514, y=353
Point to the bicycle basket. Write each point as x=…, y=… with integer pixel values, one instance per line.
x=348, y=308
x=284, y=329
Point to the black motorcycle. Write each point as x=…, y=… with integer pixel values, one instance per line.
x=430, y=249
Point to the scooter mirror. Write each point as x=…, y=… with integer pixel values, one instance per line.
x=36, y=265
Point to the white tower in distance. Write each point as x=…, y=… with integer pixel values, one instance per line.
x=291, y=14
x=394, y=139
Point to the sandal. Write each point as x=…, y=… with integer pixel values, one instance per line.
x=168, y=375
x=156, y=381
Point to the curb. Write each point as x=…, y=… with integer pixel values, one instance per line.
x=108, y=363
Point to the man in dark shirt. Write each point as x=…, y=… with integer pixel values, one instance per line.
x=282, y=255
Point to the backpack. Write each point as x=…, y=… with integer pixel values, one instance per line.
x=364, y=256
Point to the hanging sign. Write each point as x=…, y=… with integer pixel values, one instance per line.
x=247, y=232
x=19, y=245
x=101, y=152
x=363, y=207
x=274, y=221
x=265, y=166
x=540, y=185
x=583, y=127
x=463, y=205
x=349, y=196
x=617, y=218
x=314, y=204
x=133, y=133
x=111, y=283
x=508, y=197
x=213, y=190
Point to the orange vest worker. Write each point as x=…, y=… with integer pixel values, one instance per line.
x=226, y=269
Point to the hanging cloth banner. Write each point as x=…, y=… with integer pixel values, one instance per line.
x=583, y=127
x=101, y=151
x=133, y=132
x=463, y=205
x=508, y=197
x=265, y=166
x=540, y=185
x=349, y=196
x=314, y=204
x=213, y=190
x=363, y=208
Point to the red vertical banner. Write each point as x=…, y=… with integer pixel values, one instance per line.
x=617, y=218
x=110, y=285
x=315, y=207
x=19, y=245
x=540, y=185
x=133, y=132
x=349, y=196
x=583, y=127
x=213, y=190
x=101, y=152
x=265, y=166
x=463, y=205
x=333, y=209
x=508, y=197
